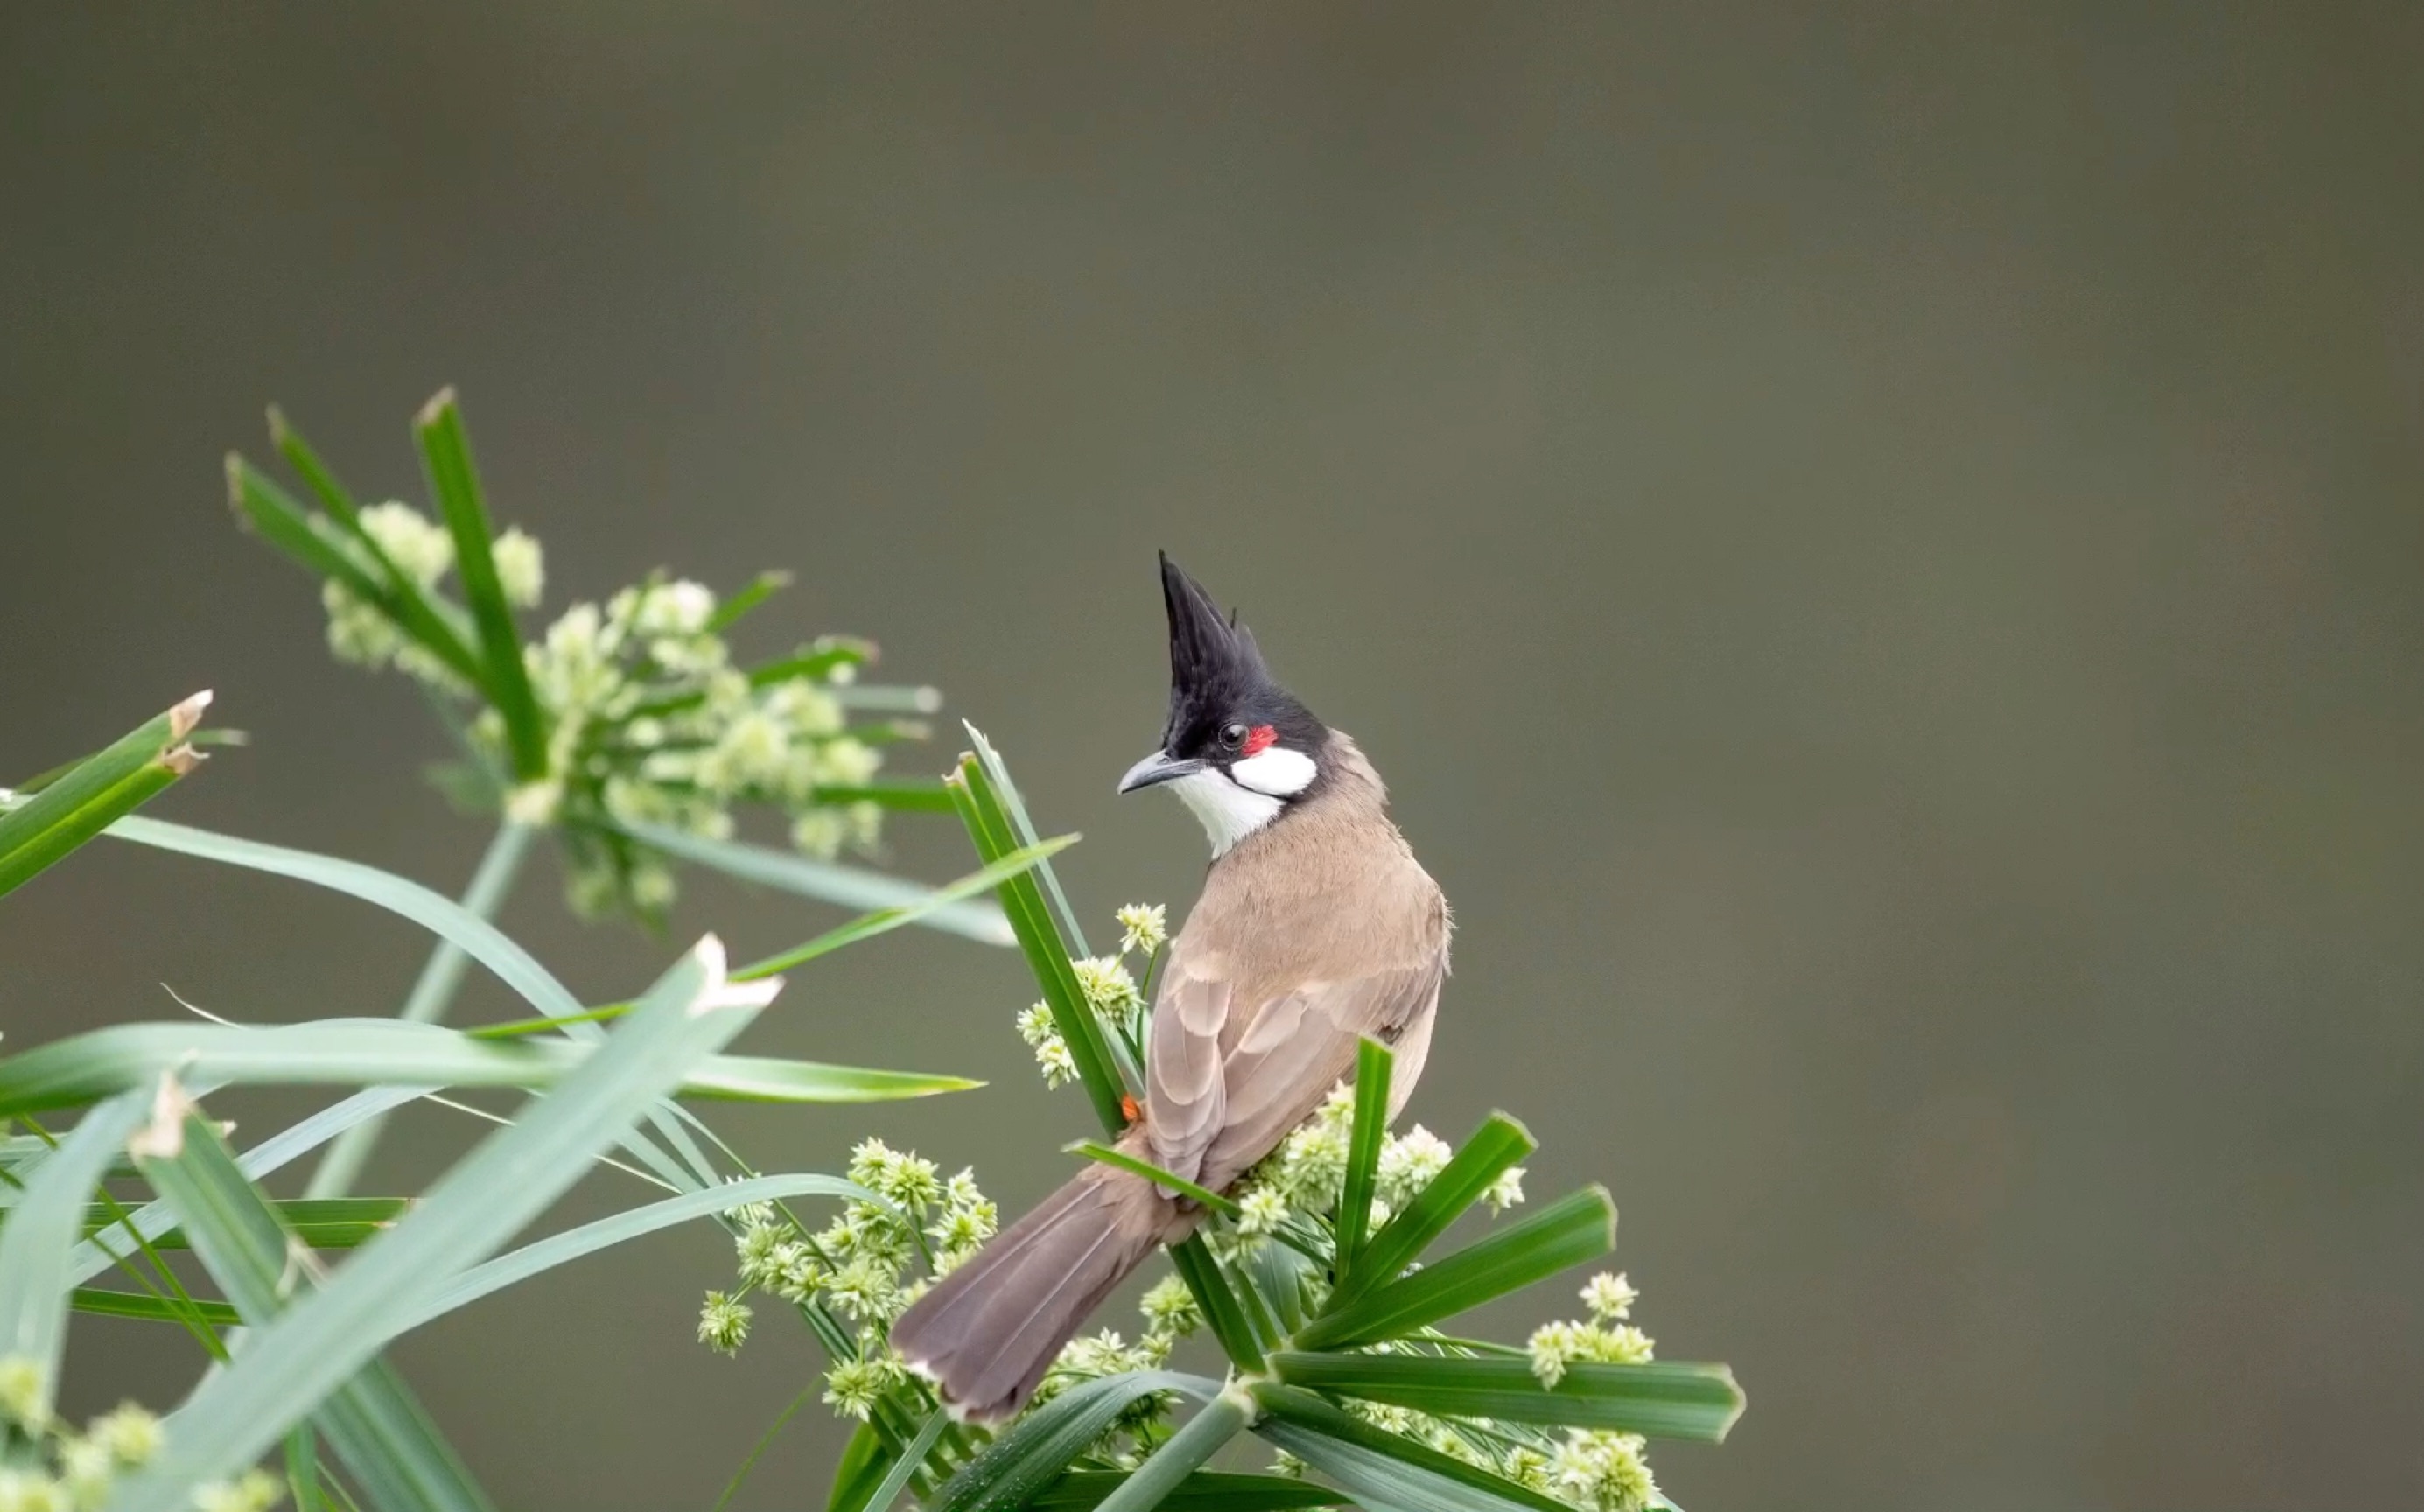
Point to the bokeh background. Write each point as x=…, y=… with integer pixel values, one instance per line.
x=1877, y=547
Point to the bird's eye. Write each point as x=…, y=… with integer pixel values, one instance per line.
x=1233, y=735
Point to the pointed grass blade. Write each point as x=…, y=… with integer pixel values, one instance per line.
x=754, y=593
x=317, y=1223
x=1658, y=1401
x=436, y=625
x=104, y=788
x=1218, y=1302
x=150, y=1307
x=1567, y=1232
x=375, y=1424
x=1022, y=829
x=455, y=482
x=816, y=662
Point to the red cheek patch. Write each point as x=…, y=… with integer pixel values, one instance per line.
x=1261, y=738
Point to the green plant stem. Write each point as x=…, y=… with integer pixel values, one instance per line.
x=1222, y=1419
x=765, y=1441
x=441, y=977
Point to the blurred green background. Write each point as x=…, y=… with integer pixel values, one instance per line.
x=1878, y=548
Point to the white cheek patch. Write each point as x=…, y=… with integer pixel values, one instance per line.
x=1276, y=771
x=1229, y=812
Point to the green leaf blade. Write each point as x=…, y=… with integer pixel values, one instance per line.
x=1569, y=1232
x=96, y=792
x=1207, y=1490
x=1218, y=1302
x=455, y=482
x=1384, y=1471
x=1373, y=1068
x=1047, y=954
x=1495, y=1146
x=1660, y=1401
x=391, y=1053
x=1039, y=1447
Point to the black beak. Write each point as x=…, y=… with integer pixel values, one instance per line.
x=1159, y=767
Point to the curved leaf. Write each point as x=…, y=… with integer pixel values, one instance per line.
x=440, y=915
x=387, y=1052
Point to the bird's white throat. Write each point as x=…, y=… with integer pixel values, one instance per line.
x=1229, y=812
x=1250, y=795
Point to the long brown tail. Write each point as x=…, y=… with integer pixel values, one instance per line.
x=989, y=1330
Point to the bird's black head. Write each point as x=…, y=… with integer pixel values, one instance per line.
x=1237, y=747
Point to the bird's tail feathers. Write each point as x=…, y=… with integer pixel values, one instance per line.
x=989, y=1330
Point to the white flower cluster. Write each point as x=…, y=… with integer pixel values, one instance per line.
x=864, y=1267
x=422, y=550
x=648, y=720
x=1301, y=1180
x=70, y=1472
x=1110, y=991
x=1603, y=1339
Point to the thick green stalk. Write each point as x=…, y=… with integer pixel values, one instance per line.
x=441, y=977
x=1222, y=1419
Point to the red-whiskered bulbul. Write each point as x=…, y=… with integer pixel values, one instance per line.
x=1315, y=927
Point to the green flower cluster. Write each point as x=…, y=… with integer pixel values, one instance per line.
x=1299, y=1182
x=649, y=720
x=1111, y=991
x=59, y=1469
x=851, y=1277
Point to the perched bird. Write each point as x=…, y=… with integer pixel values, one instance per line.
x=1315, y=927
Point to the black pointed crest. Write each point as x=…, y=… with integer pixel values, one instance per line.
x=1206, y=649
x=1216, y=671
